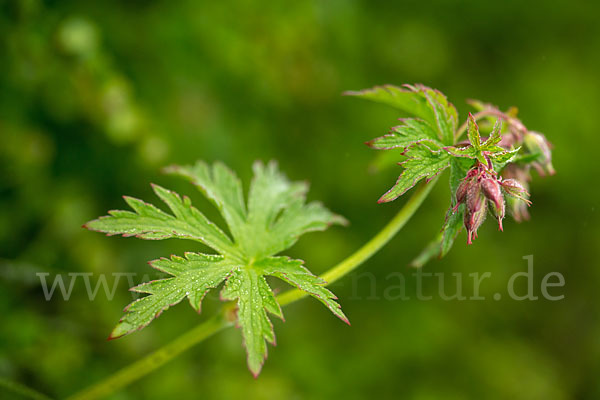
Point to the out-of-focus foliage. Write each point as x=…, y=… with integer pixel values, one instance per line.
x=95, y=97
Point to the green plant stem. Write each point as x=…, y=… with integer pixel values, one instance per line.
x=221, y=320
x=154, y=360
x=22, y=390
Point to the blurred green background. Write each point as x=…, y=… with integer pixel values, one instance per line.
x=95, y=97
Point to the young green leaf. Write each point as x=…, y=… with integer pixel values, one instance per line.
x=502, y=158
x=484, y=151
x=411, y=131
x=404, y=99
x=275, y=216
x=428, y=104
x=494, y=137
x=446, y=116
x=422, y=162
x=473, y=133
x=421, y=139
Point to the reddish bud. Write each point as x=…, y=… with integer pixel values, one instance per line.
x=475, y=197
x=518, y=199
x=515, y=189
x=463, y=188
x=476, y=210
x=491, y=190
x=461, y=191
x=473, y=221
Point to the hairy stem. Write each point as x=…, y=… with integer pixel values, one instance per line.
x=221, y=321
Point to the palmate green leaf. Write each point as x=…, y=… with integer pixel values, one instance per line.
x=254, y=298
x=294, y=273
x=221, y=187
x=421, y=139
x=422, y=162
x=149, y=222
x=253, y=319
x=427, y=104
x=446, y=116
x=403, y=99
x=411, y=131
x=192, y=277
x=275, y=216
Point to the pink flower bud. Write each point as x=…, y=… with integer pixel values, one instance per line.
x=513, y=185
x=491, y=190
x=475, y=197
x=463, y=188
x=476, y=210
x=461, y=191
x=515, y=189
x=472, y=222
x=518, y=199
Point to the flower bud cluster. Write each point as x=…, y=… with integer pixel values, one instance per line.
x=482, y=191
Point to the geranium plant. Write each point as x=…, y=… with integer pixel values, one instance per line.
x=490, y=169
